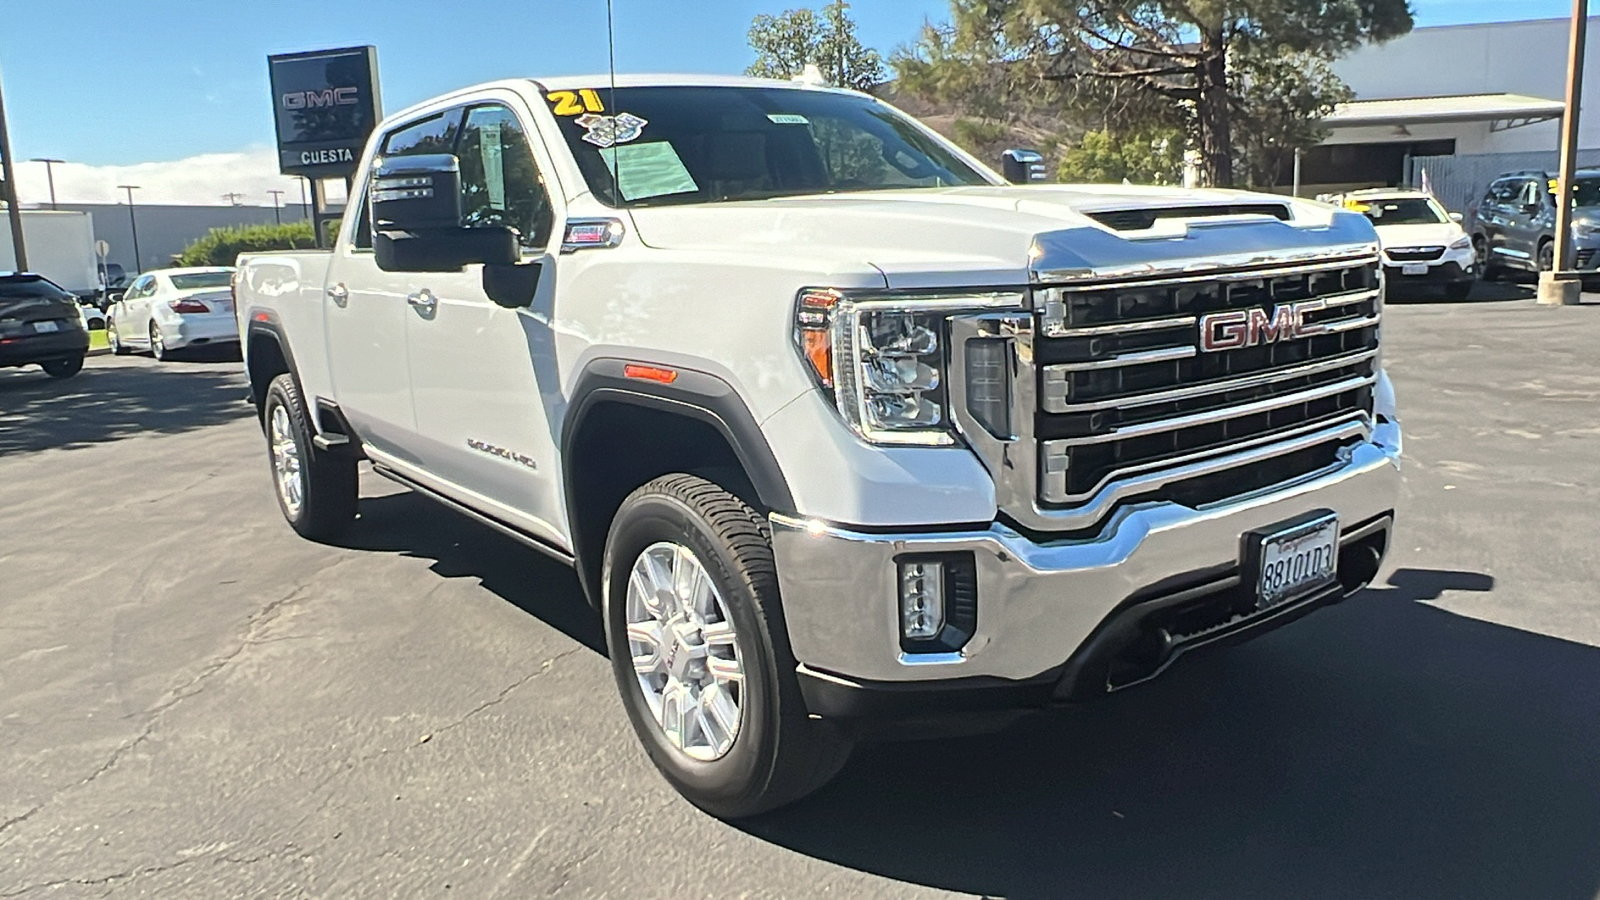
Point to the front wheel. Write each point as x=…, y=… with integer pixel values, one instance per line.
x=1458, y=291
x=118, y=348
x=63, y=368
x=1487, y=270
x=317, y=489
x=701, y=653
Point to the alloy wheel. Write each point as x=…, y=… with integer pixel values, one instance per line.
x=685, y=651
x=286, y=467
x=158, y=346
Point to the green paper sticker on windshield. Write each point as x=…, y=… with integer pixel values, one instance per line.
x=648, y=170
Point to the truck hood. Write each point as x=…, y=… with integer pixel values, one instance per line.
x=981, y=236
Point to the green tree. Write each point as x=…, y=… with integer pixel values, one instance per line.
x=1145, y=157
x=1283, y=98
x=785, y=44
x=221, y=246
x=1194, y=63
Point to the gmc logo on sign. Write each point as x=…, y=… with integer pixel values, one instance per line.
x=345, y=96
x=1254, y=327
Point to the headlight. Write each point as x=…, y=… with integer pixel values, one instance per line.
x=884, y=360
x=1461, y=243
x=1586, y=228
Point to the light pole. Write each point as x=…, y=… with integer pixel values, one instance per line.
x=277, y=204
x=134, y=224
x=8, y=192
x=305, y=203
x=50, y=174
x=1561, y=286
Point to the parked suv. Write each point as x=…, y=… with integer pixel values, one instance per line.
x=1422, y=245
x=40, y=323
x=1515, y=224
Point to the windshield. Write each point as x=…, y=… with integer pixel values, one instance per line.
x=1586, y=192
x=202, y=280
x=675, y=145
x=1404, y=211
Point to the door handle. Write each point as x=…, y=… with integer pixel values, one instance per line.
x=423, y=302
x=339, y=294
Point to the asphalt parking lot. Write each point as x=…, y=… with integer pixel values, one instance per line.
x=196, y=703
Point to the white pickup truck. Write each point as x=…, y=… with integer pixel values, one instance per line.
x=844, y=435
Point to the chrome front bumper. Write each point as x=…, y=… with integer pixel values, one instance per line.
x=1038, y=603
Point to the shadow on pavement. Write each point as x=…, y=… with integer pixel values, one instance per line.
x=1381, y=748
x=106, y=402
x=1482, y=292
x=415, y=526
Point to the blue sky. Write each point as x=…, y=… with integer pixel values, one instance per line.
x=114, y=83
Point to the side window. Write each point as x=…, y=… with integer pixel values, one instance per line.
x=435, y=134
x=141, y=288
x=500, y=182
x=1505, y=191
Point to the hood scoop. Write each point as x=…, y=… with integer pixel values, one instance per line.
x=1145, y=218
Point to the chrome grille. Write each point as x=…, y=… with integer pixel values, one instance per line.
x=1125, y=390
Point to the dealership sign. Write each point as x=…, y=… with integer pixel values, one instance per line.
x=325, y=106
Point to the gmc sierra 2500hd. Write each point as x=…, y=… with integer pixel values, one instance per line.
x=844, y=435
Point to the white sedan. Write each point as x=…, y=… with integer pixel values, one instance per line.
x=172, y=309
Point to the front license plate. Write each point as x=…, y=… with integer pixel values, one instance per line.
x=1414, y=269
x=1297, y=560
x=46, y=326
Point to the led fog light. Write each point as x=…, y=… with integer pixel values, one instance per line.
x=921, y=599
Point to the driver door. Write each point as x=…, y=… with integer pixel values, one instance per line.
x=483, y=377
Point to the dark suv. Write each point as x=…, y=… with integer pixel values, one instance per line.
x=1514, y=225
x=39, y=323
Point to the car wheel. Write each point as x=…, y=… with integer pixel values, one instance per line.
x=118, y=348
x=1459, y=291
x=701, y=653
x=63, y=368
x=1547, y=256
x=317, y=489
x=1486, y=270
x=158, y=345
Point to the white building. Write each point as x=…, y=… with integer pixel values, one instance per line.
x=1462, y=102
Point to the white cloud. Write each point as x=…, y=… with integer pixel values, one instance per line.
x=201, y=180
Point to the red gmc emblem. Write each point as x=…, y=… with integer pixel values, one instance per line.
x=1252, y=327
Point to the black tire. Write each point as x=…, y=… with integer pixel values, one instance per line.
x=779, y=753
x=1547, y=256
x=158, y=347
x=118, y=348
x=63, y=368
x=328, y=484
x=1458, y=292
x=1487, y=270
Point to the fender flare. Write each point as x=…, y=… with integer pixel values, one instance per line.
x=694, y=394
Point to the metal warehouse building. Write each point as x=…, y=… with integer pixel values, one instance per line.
x=1461, y=103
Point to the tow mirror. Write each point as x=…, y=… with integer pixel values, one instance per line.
x=1022, y=166
x=415, y=203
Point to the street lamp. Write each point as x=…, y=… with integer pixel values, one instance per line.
x=134, y=224
x=277, y=204
x=50, y=173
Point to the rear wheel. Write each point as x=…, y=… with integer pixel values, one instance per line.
x=63, y=368
x=317, y=489
x=158, y=345
x=1547, y=256
x=701, y=654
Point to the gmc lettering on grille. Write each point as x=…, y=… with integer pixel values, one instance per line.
x=1253, y=327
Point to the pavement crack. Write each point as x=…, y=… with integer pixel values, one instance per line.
x=254, y=627
x=500, y=697
x=150, y=870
